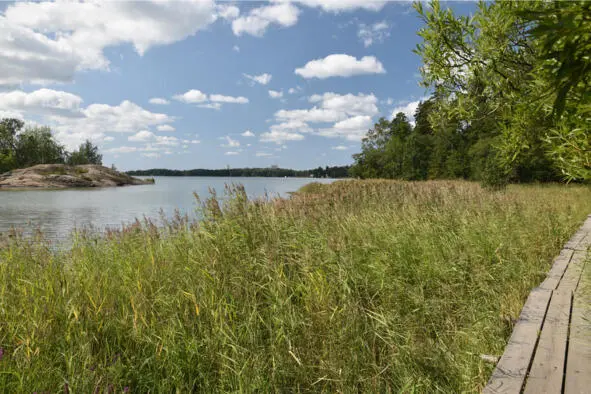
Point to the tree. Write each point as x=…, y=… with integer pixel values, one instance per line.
x=8, y=131
x=87, y=153
x=36, y=145
x=522, y=67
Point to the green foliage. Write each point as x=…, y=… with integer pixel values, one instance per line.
x=36, y=145
x=524, y=69
x=369, y=286
x=87, y=153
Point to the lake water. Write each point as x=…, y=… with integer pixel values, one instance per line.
x=58, y=212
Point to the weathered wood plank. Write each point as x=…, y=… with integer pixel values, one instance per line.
x=509, y=374
x=578, y=363
x=571, y=277
x=557, y=271
x=547, y=369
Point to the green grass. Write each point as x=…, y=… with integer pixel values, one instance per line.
x=358, y=286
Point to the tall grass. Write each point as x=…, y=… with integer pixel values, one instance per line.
x=360, y=286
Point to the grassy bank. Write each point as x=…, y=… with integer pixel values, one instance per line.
x=368, y=286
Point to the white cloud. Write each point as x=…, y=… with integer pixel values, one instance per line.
x=247, y=133
x=218, y=98
x=191, y=97
x=314, y=115
x=48, y=41
x=236, y=48
x=142, y=136
x=213, y=101
x=350, y=104
x=340, y=65
x=109, y=139
x=228, y=12
x=263, y=79
x=165, y=127
x=99, y=119
x=232, y=153
x=259, y=19
x=148, y=136
x=263, y=154
x=275, y=94
x=42, y=102
x=216, y=106
x=194, y=142
x=230, y=143
x=294, y=90
x=292, y=125
x=339, y=147
x=30, y=57
x=408, y=109
x=279, y=137
x=352, y=129
x=159, y=101
x=375, y=33
x=344, y=5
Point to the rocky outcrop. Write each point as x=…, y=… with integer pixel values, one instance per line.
x=61, y=176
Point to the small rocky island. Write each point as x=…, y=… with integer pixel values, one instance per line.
x=62, y=176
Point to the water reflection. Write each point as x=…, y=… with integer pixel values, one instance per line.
x=58, y=212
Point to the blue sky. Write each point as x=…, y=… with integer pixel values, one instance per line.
x=205, y=85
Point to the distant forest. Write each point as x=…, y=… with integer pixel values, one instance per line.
x=326, y=172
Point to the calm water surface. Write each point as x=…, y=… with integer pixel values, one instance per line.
x=58, y=212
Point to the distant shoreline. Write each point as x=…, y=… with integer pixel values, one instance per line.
x=269, y=172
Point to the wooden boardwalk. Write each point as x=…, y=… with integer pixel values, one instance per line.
x=550, y=348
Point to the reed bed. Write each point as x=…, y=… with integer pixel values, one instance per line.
x=357, y=286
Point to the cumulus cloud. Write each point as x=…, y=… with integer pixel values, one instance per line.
x=375, y=33
x=275, y=94
x=213, y=101
x=262, y=79
x=72, y=122
x=48, y=42
x=228, y=12
x=292, y=125
x=350, y=114
x=247, y=133
x=165, y=127
x=191, y=96
x=352, y=129
x=340, y=65
x=294, y=90
x=259, y=19
x=158, y=101
x=344, y=5
x=99, y=119
x=279, y=137
x=218, y=98
x=42, y=102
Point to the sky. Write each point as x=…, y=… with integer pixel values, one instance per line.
x=205, y=84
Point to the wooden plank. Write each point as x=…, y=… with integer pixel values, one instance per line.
x=558, y=268
x=547, y=369
x=578, y=364
x=573, y=243
x=571, y=277
x=509, y=374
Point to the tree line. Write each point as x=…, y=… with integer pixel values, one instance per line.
x=326, y=172
x=24, y=147
x=510, y=98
